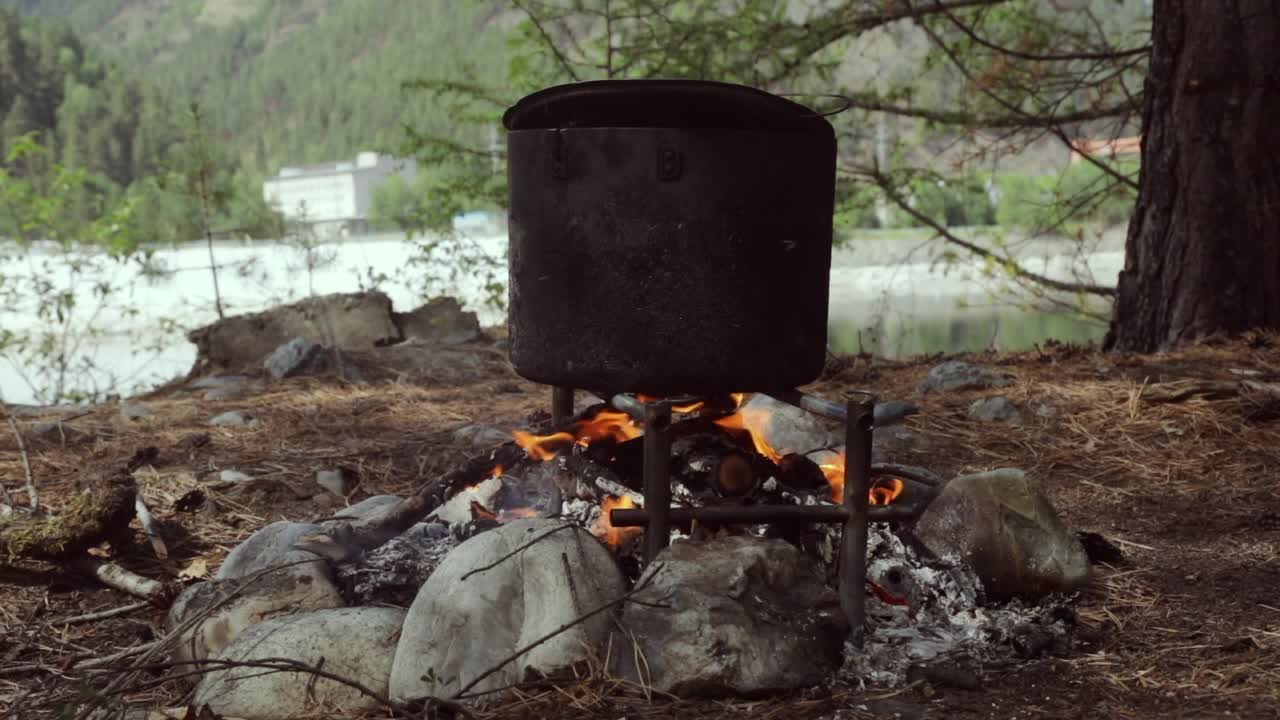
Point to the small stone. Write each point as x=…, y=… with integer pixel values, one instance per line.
x=481, y=436
x=893, y=412
x=233, y=476
x=995, y=409
x=55, y=430
x=733, y=615
x=1046, y=410
x=357, y=644
x=219, y=381
x=230, y=392
x=340, y=481
x=234, y=418
x=135, y=412
x=291, y=358
x=1001, y=524
x=364, y=510
x=953, y=375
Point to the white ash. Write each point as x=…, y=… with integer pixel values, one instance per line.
x=392, y=573
x=942, y=618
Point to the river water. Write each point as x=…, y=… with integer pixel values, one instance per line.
x=887, y=297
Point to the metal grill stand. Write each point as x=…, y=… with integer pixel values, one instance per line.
x=657, y=516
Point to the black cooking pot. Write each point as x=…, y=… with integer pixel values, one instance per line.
x=668, y=236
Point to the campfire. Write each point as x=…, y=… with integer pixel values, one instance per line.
x=721, y=452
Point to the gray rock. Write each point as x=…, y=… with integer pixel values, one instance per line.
x=481, y=436
x=273, y=546
x=462, y=623
x=216, y=612
x=234, y=418
x=893, y=412
x=788, y=428
x=354, y=643
x=230, y=392
x=233, y=476
x=213, y=382
x=130, y=411
x=262, y=577
x=339, y=481
x=1003, y=526
x=356, y=321
x=56, y=430
x=366, y=509
x=291, y=358
x=995, y=409
x=954, y=375
x=440, y=320
x=734, y=615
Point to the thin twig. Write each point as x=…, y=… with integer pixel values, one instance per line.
x=105, y=614
x=517, y=551
x=32, y=496
x=644, y=583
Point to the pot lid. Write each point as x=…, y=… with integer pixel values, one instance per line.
x=660, y=104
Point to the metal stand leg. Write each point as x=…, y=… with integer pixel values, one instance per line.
x=657, y=477
x=561, y=405
x=857, y=480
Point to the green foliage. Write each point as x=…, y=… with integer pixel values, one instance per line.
x=60, y=289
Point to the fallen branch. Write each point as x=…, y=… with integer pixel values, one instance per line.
x=149, y=527
x=117, y=577
x=33, y=497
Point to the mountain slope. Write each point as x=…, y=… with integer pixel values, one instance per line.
x=293, y=81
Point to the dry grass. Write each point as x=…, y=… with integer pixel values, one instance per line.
x=1188, y=626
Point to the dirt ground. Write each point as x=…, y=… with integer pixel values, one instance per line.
x=1174, y=458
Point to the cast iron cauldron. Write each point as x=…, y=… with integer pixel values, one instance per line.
x=668, y=236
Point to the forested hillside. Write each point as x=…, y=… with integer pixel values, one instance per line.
x=289, y=81
x=87, y=112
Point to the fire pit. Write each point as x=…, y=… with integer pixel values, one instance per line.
x=647, y=218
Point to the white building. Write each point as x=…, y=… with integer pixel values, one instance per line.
x=334, y=196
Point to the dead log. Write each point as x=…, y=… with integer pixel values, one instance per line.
x=100, y=513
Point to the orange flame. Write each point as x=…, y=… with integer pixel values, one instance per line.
x=883, y=494
x=497, y=471
x=754, y=422
x=612, y=536
x=607, y=424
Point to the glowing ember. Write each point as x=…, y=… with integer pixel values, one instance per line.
x=497, y=471
x=506, y=516
x=612, y=536
x=480, y=512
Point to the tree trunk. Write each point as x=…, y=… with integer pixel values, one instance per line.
x=1203, y=251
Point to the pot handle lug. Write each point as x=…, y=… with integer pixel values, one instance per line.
x=670, y=163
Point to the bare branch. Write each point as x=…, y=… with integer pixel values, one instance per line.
x=886, y=185
x=548, y=41
x=1038, y=57
x=33, y=497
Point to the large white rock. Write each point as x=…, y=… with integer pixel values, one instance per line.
x=464, y=620
x=261, y=578
x=1003, y=526
x=356, y=644
x=733, y=615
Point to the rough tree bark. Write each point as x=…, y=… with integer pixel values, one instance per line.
x=1203, y=251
